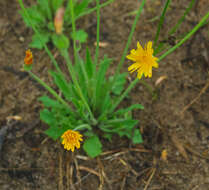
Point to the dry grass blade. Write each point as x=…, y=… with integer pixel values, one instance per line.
x=160, y=79
x=101, y=171
x=128, y=166
x=196, y=153
x=88, y=170
x=179, y=146
x=69, y=171
x=196, y=98
x=77, y=172
x=150, y=178
x=60, y=186
x=123, y=183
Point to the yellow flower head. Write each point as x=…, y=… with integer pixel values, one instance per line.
x=71, y=139
x=144, y=60
x=28, y=58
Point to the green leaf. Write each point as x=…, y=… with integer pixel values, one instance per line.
x=89, y=134
x=48, y=102
x=51, y=26
x=60, y=41
x=35, y=15
x=56, y=4
x=108, y=136
x=122, y=127
x=137, y=137
x=47, y=117
x=89, y=64
x=79, y=8
x=101, y=80
x=119, y=83
x=92, y=146
x=55, y=132
x=44, y=8
x=62, y=84
x=135, y=106
x=106, y=103
x=80, y=36
x=37, y=43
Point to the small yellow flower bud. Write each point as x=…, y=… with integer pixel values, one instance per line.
x=58, y=20
x=28, y=58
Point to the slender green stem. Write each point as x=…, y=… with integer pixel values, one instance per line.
x=89, y=11
x=175, y=28
x=98, y=25
x=149, y=88
x=162, y=17
x=125, y=93
x=160, y=46
x=49, y=89
x=70, y=66
x=129, y=40
x=133, y=83
x=38, y=34
x=185, y=38
x=96, y=58
x=74, y=29
x=75, y=81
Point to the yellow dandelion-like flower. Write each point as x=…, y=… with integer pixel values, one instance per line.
x=144, y=60
x=71, y=139
x=28, y=58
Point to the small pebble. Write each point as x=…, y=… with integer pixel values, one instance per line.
x=22, y=39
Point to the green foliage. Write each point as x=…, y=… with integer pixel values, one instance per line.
x=41, y=16
x=90, y=98
x=93, y=146
x=93, y=82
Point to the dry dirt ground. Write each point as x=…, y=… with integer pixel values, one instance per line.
x=29, y=160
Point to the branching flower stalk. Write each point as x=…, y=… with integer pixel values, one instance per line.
x=96, y=53
x=133, y=83
x=37, y=33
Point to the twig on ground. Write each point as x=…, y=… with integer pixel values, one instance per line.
x=101, y=178
x=88, y=170
x=69, y=171
x=179, y=146
x=123, y=183
x=60, y=186
x=128, y=166
x=196, y=153
x=196, y=98
x=81, y=157
x=150, y=178
x=101, y=167
x=77, y=172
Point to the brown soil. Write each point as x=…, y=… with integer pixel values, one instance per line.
x=29, y=160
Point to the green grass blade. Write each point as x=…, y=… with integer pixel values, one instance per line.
x=98, y=26
x=129, y=40
x=100, y=80
x=162, y=17
x=200, y=24
x=89, y=11
x=175, y=28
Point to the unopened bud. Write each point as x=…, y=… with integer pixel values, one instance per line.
x=58, y=20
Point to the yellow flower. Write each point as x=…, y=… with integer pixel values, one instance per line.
x=28, y=58
x=144, y=60
x=71, y=139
